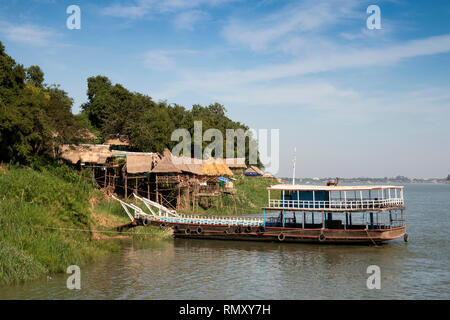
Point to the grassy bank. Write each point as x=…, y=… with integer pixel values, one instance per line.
x=52, y=218
x=251, y=195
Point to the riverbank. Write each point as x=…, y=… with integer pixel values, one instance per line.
x=54, y=217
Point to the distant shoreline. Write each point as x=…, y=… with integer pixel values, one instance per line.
x=365, y=180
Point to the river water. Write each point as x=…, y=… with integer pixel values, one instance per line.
x=208, y=269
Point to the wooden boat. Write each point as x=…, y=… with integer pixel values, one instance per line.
x=298, y=213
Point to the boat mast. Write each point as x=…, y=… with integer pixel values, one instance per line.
x=295, y=159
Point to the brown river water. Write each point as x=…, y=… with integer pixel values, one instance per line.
x=214, y=269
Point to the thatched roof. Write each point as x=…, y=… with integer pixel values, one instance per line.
x=139, y=162
x=173, y=164
x=254, y=169
x=92, y=153
x=235, y=163
x=186, y=164
x=86, y=134
x=118, y=140
x=165, y=165
x=214, y=167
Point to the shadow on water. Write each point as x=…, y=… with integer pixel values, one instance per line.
x=214, y=269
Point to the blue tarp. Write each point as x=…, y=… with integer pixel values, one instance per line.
x=224, y=179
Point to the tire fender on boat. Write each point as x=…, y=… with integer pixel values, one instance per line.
x=322, y=237
x=199, y=230
x=281, y=237
x=260, y=230
x=162, y=225
x=248, y=229
x=405, y=237
x=187, y=231
x=228, y=230
x=176, y=228
x=238, y=230
x=145, y=222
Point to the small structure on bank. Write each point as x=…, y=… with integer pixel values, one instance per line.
x=138, y=166
x=118, y=140
x=177, y=179
x=175, y=182
x=85, y=154
x=253, y=171
x=236, y=165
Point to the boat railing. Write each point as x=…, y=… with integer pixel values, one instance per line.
x=337, y=204
x=215, y=220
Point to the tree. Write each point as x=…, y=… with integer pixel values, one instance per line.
x=34, y=118
x=35, y=76
x=112, y=109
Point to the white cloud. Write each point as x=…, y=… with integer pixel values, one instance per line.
x=142, y=8
x=158, y=60
x=120, y=11
x=29, y=34
x=306, y=17
x=325, y=61
x=290, y=84
x=186, y=20
x=163, y=59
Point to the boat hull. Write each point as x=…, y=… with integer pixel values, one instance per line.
x=279, y=234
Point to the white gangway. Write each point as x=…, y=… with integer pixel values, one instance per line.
x=171, y=216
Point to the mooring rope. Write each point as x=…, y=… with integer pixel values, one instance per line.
x=88, y=230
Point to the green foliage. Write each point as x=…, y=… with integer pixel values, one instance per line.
x=112, y=109
x=35, y=76
x=251, y=195
x=47, y=223
x=34, y=117
x=36, y=211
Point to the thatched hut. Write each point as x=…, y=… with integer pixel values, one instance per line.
x=253, y=171
x=85, y=153
x=237, y=165
x=216, y=168
x=117, y=140
x=140, y=162
x=166, y=166
x=190, y=166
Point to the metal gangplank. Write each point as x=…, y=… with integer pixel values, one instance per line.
x=138, y=212
x=162, y=211
x=171, y=216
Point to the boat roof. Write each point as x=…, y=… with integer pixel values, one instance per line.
x=298, y=187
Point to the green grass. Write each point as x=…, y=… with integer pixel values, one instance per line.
x=48, y=220
x=251, y=195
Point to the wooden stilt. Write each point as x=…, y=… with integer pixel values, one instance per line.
x=126, y=187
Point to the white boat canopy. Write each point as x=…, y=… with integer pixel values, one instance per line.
x=293, y=187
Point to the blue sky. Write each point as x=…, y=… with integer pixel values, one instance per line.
x=353, y=101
